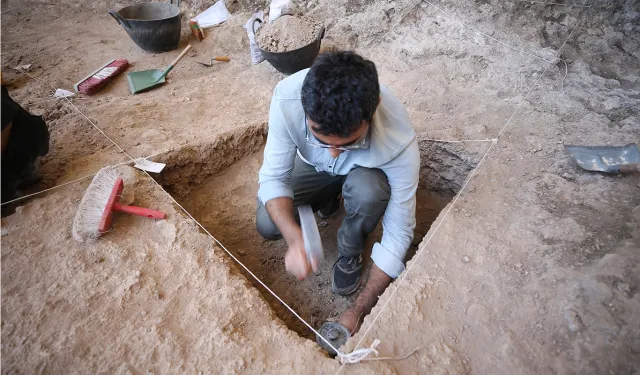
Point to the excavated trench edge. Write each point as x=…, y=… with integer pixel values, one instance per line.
x=444, y=168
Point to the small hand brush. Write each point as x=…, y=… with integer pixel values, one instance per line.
x=95, y=81
x=101, y=199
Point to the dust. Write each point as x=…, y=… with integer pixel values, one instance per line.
x=288, y=33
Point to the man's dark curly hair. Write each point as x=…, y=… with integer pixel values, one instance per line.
x=340, y=91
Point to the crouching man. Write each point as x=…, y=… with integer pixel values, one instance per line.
x=334, y=132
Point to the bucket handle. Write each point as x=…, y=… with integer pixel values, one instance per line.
x=117, y=17
x=177, y=3
x=253, y=26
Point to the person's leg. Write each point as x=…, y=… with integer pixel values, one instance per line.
x=366, y=193
x=309, y=187
x=27, y=140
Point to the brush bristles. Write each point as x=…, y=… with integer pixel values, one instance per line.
x=94, y=201
x=99, y=80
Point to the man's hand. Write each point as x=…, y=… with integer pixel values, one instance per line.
x=296, y=262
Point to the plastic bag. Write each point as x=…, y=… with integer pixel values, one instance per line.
x=215, y=15
x=256, y=55
x=279, y=8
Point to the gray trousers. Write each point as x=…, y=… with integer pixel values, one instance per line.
x=366, y=193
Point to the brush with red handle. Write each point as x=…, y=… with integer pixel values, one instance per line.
x=100, y=201
x=97, y=80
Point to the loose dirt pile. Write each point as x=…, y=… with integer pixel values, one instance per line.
x=288, y=33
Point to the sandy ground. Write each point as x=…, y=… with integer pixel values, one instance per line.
x=534, y=269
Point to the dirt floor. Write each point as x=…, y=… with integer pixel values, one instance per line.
x=532, y=269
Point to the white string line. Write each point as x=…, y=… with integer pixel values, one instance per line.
x=457, y=141
x=485, y=34
x=52, y=99
x=116, y=165
x=59, y=186
x=457, y=196
x=340, y=354
x=80, y=112
x=545, y=3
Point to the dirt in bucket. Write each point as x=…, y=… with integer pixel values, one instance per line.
x=288, y=33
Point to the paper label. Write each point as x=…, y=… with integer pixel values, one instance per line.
x=62, y=93
x=149, y=166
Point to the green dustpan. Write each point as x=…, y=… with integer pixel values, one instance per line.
x=148, y=79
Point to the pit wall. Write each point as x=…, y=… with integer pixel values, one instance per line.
x=188, y=167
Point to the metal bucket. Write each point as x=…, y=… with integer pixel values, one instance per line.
x=154, y=27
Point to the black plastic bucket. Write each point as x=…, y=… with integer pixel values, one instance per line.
x=154, y=27
x=293, y=61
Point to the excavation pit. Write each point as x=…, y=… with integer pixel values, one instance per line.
x=217, y=184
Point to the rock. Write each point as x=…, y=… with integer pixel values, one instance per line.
x=624, y=287
x=574, y=322
x=466, y=259
x=542, y=311
x=519, y=265
x=242, y=252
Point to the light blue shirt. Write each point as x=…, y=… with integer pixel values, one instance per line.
x=393, y=149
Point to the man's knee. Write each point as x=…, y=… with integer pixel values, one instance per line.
x=265, y=225
x=366, y=189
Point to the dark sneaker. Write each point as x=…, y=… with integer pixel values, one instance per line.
x=330, y=209
x=347, y=273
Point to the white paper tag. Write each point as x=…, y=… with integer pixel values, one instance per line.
x=62, y=93
x=23, y=67
x=149, y=166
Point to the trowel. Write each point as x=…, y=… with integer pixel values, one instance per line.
x=216, y=58
x=608, y=159
x=148, y=79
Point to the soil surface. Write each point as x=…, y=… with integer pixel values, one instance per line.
x=288, y=33
x=532, y=269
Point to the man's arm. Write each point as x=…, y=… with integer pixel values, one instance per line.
x=376, y=284
x=398, y=224
x=275, y=189
x=399, y=219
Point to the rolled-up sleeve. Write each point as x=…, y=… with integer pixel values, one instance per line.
x=279, y=156
x=399, y=219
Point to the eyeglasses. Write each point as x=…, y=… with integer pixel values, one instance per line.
x=361, y=143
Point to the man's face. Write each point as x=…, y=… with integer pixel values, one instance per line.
x=335, y=141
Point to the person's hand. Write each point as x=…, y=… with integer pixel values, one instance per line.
x=296, y=262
